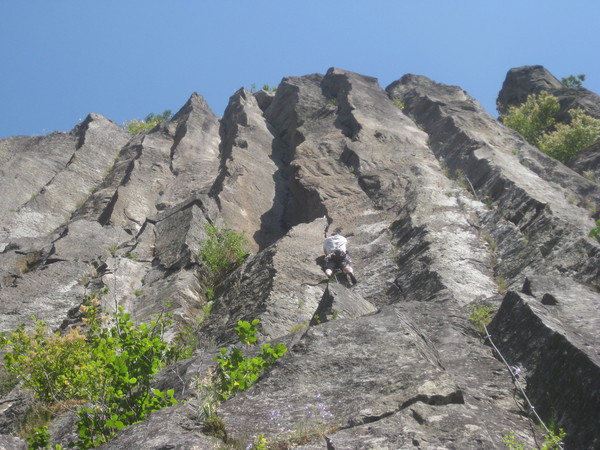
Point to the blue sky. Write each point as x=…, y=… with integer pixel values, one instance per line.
x=63, y=59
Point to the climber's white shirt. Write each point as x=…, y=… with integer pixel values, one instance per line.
x=334, y=242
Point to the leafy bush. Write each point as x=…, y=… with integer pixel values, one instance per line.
x=511, y=442
x=238, y=372
x=535, y=120
x=51, y=365
x=151, y=120
x=534, y=117
x=552, y=440
x=109, y=368
x=568, y=140
x=41, y=440
x=221, y=252
x=481, y=315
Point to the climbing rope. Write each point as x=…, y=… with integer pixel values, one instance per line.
x=515, y=372
x=118, y=260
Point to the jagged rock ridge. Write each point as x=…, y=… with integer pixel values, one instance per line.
x=398, y=365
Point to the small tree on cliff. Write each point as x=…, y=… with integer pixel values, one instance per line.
x=534, y=117
x=573, y=81
x=222, y=251
x=535, y=120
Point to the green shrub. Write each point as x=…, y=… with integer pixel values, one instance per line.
x=534, y=117
x=569, y=139
x=238, y=372
x=552, y=440
x=40, y=439
x=222, y=251
x=589, y=175
x=511, y=442
x=151, y=120
x=501, y=283
x=481, y=315
x=268, y=88
x=215, y=426
x=109, y=368
x=535, y=120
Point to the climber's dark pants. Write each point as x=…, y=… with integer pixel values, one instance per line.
x=332, y=263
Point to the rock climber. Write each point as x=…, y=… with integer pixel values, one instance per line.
x=336, y=256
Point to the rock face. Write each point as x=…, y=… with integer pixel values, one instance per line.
x=444, y=209
x=521, y=82
x=587, y=162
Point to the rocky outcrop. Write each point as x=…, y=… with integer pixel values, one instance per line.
x=521, y=82
x=524, y=81
x=59, y=172
x=444, y=209
x=522, y=219
x=558, y=320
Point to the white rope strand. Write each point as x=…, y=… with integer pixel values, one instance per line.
x=515, y=377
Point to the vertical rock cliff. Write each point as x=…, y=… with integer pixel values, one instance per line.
x=443, y=206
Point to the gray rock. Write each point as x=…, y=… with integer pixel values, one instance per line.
x=83, y=160
x=534, y=232
x=587, y=162
x=521, y=82
x=340, y=302
x=547, y=202
x=282, y=286
x=394, y=377
x=264, y=99
x=248, y=202
x=553, y=331
x=194, y=152
x=443, y=206
x=33, y=162
x=13, y=410
x=174, y=428
x=179, y=231
x=48, y=294
x=12, y=443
